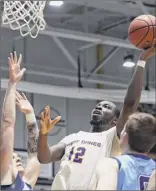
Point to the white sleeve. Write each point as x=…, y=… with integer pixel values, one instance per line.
x=111, y=135
x=113, y=143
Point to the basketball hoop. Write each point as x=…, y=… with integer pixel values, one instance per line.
x=27, y=16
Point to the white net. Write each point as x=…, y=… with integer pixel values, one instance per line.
x=27, y=16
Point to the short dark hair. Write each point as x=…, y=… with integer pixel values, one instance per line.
x=141, y=130
x=117, y=112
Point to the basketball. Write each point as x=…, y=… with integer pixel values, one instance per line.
x=142, y=31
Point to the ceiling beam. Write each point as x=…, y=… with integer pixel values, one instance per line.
x=110, y=5
x=73, y=78
x=142, y=7
x=78, y=93
x=105, y=61
x=65, y=51
x=85, y=37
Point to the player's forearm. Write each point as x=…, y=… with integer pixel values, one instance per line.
x=135, y=87
x=43, y=150
x=7, y=130
x=132, y=97
x=9, y=112
x=33, y=166
x=33, y=134
x=152, y=182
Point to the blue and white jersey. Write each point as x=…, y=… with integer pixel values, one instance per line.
x=17, y=185
x=135, y=171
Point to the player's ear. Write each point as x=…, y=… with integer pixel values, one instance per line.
x=114, y=122
x=123, y=139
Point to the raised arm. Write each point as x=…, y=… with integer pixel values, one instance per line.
x=8, y=120
x=152, y=182
x=45, y=153
x=32, y=169
x=133, y=93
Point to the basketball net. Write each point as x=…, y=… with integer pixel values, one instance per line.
x=26, y=16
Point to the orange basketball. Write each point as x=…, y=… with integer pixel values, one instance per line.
x=142, y=31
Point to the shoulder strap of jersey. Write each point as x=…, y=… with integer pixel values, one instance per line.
x=118, y=161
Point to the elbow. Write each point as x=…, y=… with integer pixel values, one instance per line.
x=7, y=122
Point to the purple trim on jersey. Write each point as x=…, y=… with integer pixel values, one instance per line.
x=18, y=184
x=118, y=161
x=138, y=156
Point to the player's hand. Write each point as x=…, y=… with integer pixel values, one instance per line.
x=46, y=123
x=146, y=54
x=15, y=73
x=23, y=104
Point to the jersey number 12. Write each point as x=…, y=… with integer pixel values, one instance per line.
x=77, y=153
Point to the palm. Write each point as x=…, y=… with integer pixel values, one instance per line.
x=145, y=55
x=23, y=104
x=46, y=123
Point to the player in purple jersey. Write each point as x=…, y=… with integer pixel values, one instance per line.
x=105, y=115
x=13, y=175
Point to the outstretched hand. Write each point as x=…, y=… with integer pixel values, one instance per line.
x=23, y=104
x=15, y=73
x=146, y=54
x=46, y=123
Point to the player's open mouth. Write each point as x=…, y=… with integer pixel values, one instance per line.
x=96, y=112
x=19, y=164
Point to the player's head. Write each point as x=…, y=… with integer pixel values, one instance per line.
x=105, y=113
x=139, y=133
x=18, y=163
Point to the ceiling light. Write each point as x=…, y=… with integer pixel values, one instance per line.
x=128, y=61
x=56, y=3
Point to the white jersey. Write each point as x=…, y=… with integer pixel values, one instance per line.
x=78, y=165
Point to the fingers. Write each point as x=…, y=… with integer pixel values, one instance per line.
x=154, y=43
x=9, y=62
x=55, y=121
x=24, y=96
x=19, y=59
x=12, y=58
x=47, y=112
x=18, y=105
x=15, y=57
x=18, y=95
x=21, y=73
x=42, y=116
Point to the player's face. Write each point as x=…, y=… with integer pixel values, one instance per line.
x=18, y=163
x=104, y=111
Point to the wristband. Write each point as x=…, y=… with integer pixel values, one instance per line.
x=30, y=118
x=141, y=63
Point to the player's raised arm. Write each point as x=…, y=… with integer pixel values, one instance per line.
x=133, y=93
x=8, y=119
x=152, y=182
x=32, y=169
x=45, y=153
